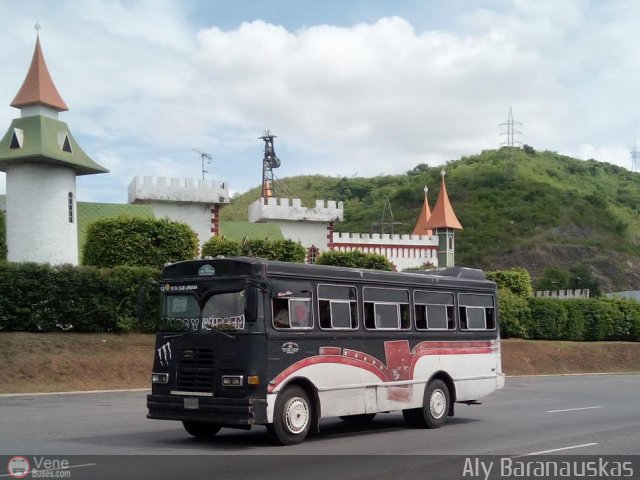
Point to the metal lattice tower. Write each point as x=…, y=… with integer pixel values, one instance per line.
x=635, y=157
x=510, y=131
x=386, y=220
x=269, y=162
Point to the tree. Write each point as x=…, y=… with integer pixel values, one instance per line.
x=554, y=278
x=581, y=276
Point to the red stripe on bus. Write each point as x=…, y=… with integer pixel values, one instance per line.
x=378, y=368
x=339, y=359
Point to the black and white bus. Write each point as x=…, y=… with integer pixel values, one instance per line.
x=245, y=341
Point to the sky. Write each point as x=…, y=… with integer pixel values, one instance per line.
x=350, y=88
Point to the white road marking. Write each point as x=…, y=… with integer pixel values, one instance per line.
x=79, y=392
x=55, y=469
x=572, y=409
x=560, y=449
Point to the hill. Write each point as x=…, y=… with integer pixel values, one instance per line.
x=518, y=208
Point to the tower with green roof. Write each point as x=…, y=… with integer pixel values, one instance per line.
x=41, y=160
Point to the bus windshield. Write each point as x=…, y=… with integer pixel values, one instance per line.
x=221, y=311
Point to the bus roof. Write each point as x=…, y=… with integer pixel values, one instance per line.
x=246, y=266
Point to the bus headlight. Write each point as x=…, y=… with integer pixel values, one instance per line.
x=232, y=380
x=159, y=378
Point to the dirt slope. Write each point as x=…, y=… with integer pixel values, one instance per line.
x=48, y=362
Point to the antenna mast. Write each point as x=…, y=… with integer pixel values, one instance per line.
x=269, y=162
x=204, y=156
x=510, y=132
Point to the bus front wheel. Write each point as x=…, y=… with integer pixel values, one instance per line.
x=201, y=429
x=292, y=416
x=435, y=408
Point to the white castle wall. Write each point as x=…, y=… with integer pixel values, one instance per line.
x=188, y=201
x=291, y=210
x=405, y=251
x=164, y=189
x=38, y=227
x=196, y=215
x=301, y=224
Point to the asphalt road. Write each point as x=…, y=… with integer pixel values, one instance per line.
x=106, y=435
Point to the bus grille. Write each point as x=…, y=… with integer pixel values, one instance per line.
x=195, y=373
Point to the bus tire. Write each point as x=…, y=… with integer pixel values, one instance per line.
x=360, y=419
x=435, y=407
x=201, y=429
x=292, y=417
x=436, y=404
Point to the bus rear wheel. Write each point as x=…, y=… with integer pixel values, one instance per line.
x=360, y=419
x=435, y=408
x=292, y=416
x=201, y=429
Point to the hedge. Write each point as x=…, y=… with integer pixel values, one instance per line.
x=3, y=236
x=283, y=250
x=355, y=259
x=43, y=298
x=594, y=319
x=138, y=242
x=517, y=280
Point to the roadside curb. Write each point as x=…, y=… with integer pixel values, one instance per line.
x=77, y=392
x=573, y=374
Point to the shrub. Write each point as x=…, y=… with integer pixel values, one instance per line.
x=221, y=246
x=3, y=236
x=138, y=242
x=517, y=280
x=355, y=259
x=514, y=314
x=282, y=250
x=79, y=299
x=547, y=318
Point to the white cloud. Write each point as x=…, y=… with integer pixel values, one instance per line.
x=145, y=87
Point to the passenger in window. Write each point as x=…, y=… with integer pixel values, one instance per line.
x=280, y=315
x=300, y=315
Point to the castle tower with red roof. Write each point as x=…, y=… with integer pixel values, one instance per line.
x=444, y=222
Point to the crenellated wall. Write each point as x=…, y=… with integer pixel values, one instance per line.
x=405, y=251
x=298, y=223
x=291, y=209
x=163, y=189
x=194, y=202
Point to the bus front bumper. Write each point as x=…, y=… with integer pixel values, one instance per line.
x=227, y=412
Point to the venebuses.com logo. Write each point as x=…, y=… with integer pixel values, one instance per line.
x=18, y=467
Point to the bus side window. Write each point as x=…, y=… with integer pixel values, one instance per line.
x=434, y=310
x=280, y=313
x=337, y=307
x=477, y=312
x=386, y=308
x=291, y=313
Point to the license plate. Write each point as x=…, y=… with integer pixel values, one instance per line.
x=191, y=403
